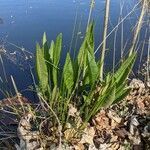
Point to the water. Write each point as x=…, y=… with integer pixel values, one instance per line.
x=22, y=24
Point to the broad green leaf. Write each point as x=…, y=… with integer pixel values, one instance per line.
x=57, y=49
x=68, y=73
x=87, y=45
x=121, y=92
x=41, y=69
x=125, y=68
x=110, y=99
x=51, y=50
x=54, y=92
x=108, y=78
x=121, y=87
x=92, y=69
x=55, y=76
x=121, y=95
x=44, y=40
x=46, y=54
x=104, y=100
x=76, y=70
x=86, y=79
x=56, y=57
x=107, y=85
x=54, y=95
x=90, y=40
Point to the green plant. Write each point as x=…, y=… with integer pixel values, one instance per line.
x=78, y=82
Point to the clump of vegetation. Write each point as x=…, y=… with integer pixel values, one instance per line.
x=78, y=83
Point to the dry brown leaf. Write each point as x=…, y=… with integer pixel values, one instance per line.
x=140, y=104
x=69, y=133
x=101, y=120
x=112, y=115
x=114, y=146
x=79, y=146
x=121, y=133
x=88, y=135
x=72, y=110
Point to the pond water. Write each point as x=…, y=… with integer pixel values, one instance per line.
x=22, y=23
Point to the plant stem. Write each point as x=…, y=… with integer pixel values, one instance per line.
x=104, y=38
x=148, y=63
x=138, y=28
x=4, y=71
x=141, y=52
x=74, y=28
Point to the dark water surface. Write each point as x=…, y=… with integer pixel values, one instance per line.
x=22, y=23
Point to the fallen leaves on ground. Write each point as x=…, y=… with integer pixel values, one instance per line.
x=122, y=126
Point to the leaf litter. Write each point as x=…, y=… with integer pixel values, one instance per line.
x=122, y=126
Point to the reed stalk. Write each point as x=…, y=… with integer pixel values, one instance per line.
x=148, y=64
x=122, y=31
x=74, y=28
x=142, y=51
x=114, y=50
x=3, y=68
x=77, y=36
x=106, y=17
x=17, y=93
x=138, y=27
